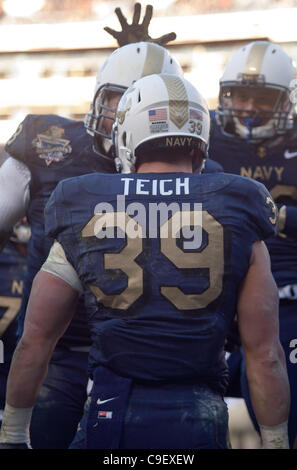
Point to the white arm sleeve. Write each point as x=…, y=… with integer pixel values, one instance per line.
x=58, y=265
x=15, y=179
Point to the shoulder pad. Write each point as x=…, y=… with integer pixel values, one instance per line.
x=38, y=133
x=212, y=167
x=56, y=215
x=260, y=206
x=17, y=144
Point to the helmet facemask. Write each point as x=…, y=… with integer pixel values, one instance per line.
x=255, y=124
x=264, y=73
x=99, y=115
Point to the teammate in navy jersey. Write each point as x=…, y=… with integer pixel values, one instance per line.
x=165, y=259
x=254, y=134
x=12, y=272
x=43, y=151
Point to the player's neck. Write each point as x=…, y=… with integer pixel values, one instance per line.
x=165, y=167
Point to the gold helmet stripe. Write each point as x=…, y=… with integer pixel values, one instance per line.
x=154, y=60
x=255, y=58
x=178, y=100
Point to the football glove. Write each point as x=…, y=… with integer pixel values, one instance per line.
x=136, y=31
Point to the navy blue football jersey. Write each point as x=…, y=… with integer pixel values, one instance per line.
x=212, y=167
x=12, y=272
x=273, y=162
x=53, y=148
x=160, y=303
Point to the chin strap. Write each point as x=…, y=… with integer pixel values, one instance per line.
x=250, y=124
x=252, y=129
x=118, y=164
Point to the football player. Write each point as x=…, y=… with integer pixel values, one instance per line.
x=254, y=134
x=12, y=272
x=44, y=150
x=165, y=259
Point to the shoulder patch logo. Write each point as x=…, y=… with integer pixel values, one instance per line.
x=50, y=146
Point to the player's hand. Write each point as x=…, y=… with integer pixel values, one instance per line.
x=136, y=31
x=6, y=445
